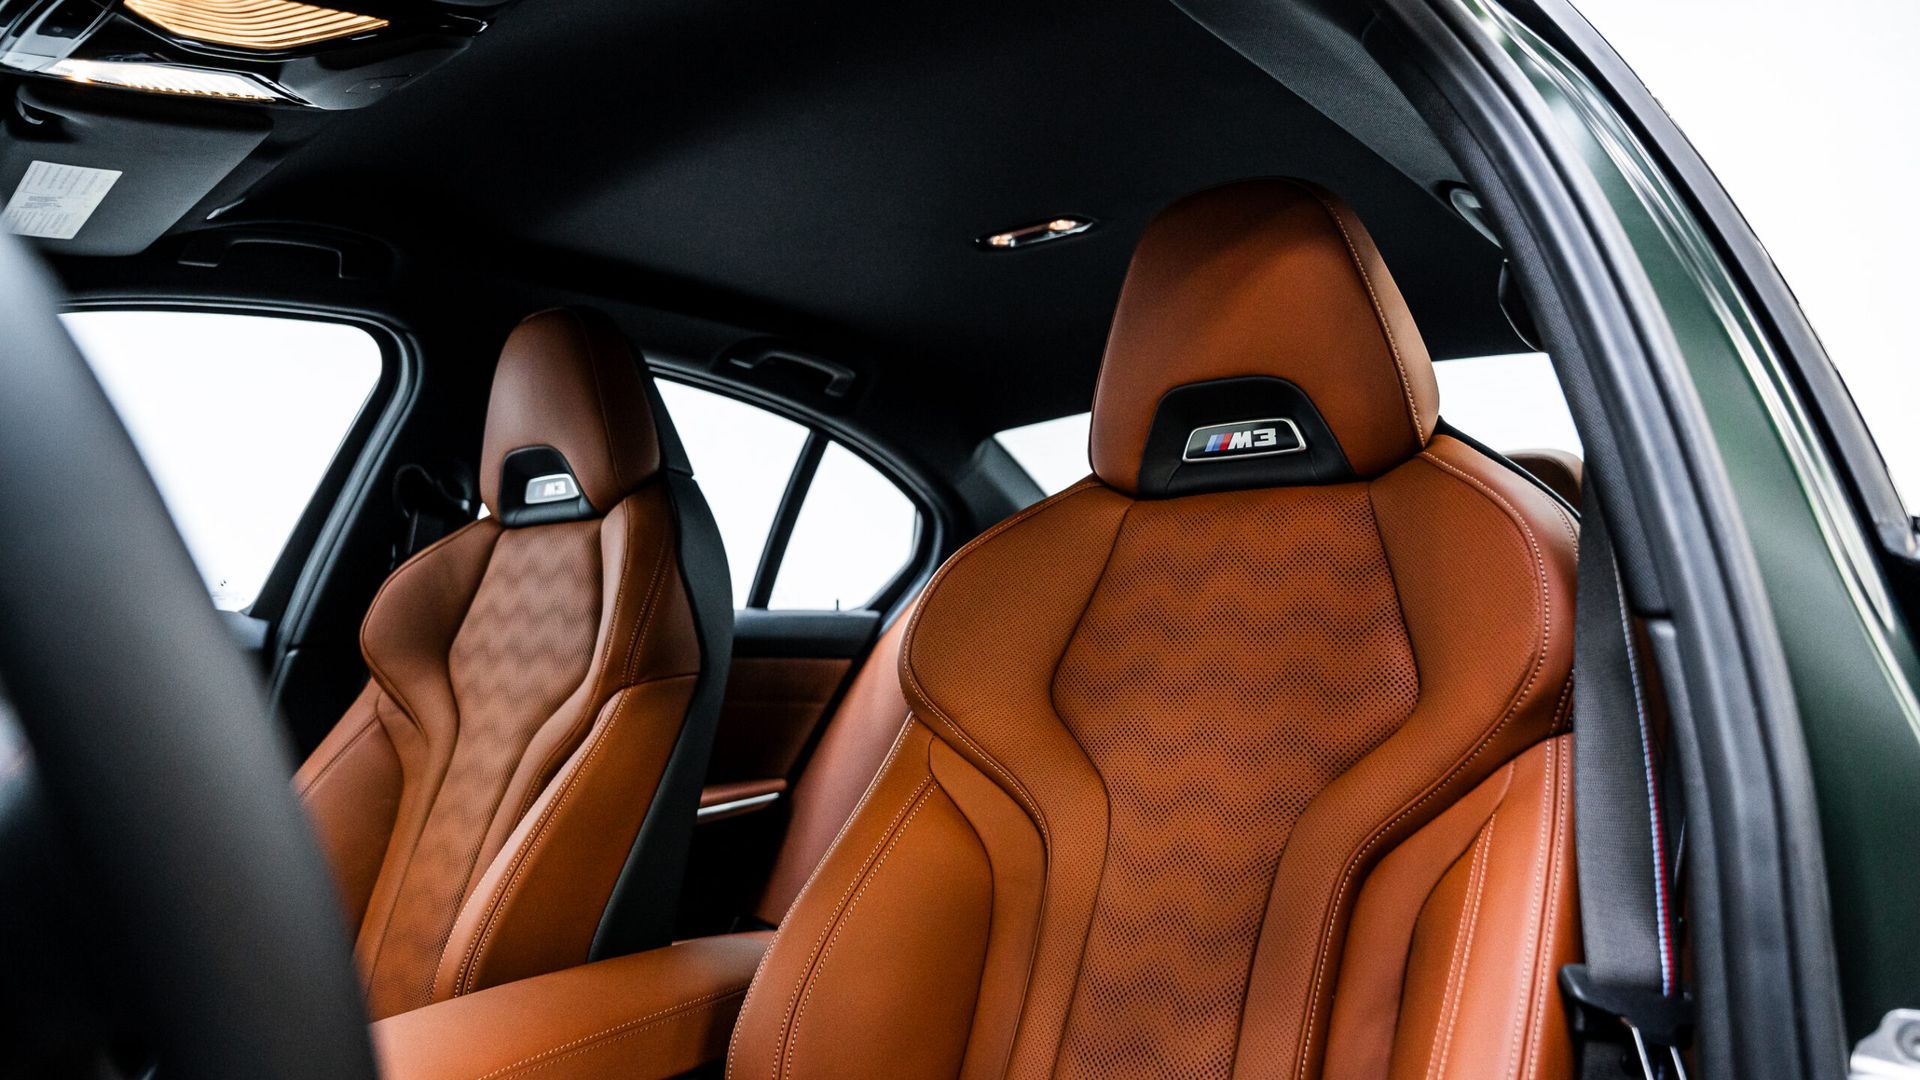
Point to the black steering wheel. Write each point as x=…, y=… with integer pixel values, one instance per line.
x=187, y=896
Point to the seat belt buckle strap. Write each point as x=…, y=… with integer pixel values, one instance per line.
x=1652, y=1026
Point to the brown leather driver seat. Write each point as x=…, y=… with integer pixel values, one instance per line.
x=1242, y=757
x=514, y=789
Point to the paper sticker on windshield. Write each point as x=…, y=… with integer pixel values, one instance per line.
x=53, y=201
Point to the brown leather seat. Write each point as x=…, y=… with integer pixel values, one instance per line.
x=1242, y=756
x=514, y=787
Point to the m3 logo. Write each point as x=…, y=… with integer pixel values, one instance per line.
x=1244, y=439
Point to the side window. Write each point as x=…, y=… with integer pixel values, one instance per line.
x=742, y=457
x=1507, y=402
x=807, y=523
x=854, y=533
x=238, y=418
x=1053, y=452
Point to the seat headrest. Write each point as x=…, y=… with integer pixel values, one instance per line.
x=1258, y=341
x=570, y=428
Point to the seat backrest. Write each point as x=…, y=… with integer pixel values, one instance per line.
x=536, y=677
x=1558, y=469
x=1238, y=757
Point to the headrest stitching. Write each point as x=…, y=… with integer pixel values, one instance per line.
x=1380, y=316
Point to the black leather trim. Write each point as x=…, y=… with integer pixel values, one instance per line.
x=1163, y=473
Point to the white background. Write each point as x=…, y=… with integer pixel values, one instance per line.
x=1809, y=113
x=237, y=417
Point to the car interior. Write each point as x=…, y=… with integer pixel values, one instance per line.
x=691, y=648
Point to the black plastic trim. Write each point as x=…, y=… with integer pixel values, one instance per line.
x=836, y=635
x=795, y=495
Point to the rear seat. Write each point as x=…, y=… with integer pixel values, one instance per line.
x=1557, y=469
x=851, y=749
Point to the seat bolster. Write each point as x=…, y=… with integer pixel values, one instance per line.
x=877, y=968
x=538, y=905
x=351, y=786
x=1451, y=962
x=646, y=1016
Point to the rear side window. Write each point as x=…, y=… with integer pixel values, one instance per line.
x=854, y=533
x=1510, y=403
x=807, y=523
x=1053, y=452
x=742, y=456
x=238, y=417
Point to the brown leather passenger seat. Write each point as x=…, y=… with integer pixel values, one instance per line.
x=1244, y=756
x=517, y=781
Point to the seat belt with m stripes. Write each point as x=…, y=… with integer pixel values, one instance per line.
x=1630, y=1013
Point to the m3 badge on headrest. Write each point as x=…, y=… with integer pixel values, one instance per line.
x=1245, y=439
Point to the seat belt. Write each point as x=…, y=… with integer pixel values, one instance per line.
x=1630, y=1015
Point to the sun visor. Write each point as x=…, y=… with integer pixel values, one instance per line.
x=82, y=180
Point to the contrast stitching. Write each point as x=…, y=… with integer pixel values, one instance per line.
x=833, y=920
x=466, y=976
x=899, y=741
x=813, y=977
x=386, y=681
x=1462, y=956
x=1536, y=911
x=1562, y=707
x=469, y=970
x=1543, y=958
x=618, y=1031
x=1310, y=1021
x=1380, y=315
x=373, y=721
x=913, y=627
x=1657, y=825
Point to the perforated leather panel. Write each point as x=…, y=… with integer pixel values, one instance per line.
x=1239, y=653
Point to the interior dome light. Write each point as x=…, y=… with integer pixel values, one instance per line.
x=1028, y=235
x=265, y=25
x=164, y=79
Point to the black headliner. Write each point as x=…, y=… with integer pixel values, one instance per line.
x=820, y=170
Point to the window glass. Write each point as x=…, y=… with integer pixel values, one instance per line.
x=855, y=532
x=1507, y=402
x=237, y=417
x=1796, y=107
x=742, y=457
x=1053, y=452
